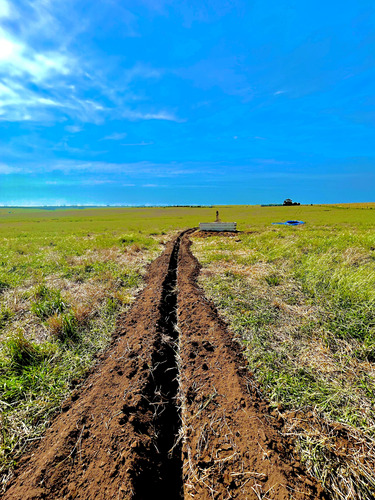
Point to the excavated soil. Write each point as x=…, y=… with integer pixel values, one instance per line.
x=209, y=234
x=171, y=412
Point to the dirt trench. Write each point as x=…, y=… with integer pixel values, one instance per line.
x=170, y=412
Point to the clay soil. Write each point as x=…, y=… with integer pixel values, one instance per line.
x=170, y=411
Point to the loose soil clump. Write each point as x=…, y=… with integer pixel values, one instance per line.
x=171, y=412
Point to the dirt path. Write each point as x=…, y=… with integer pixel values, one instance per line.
x=169, y=413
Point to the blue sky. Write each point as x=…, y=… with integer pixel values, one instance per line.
x=186, y=102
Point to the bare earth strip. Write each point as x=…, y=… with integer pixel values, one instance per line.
x=169, y=413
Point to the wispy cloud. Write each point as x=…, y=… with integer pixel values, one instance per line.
x=20, y=60
x=8, y=170
x=84, y=182
x=152, y=185
x=160, y=115
x=138, y=144
x=138, y=169
x=44, y=78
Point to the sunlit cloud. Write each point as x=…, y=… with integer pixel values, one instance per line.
x=5, y=9
x=19, y=60
x=42, y=79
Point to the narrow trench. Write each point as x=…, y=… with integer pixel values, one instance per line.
x=162, y=478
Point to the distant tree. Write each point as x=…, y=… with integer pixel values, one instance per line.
x=287, y=202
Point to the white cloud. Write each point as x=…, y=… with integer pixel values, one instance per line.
x=88, y=182
x=20, y=60
x=19, y=103
x=43, y=79
x=100, y=168
x=5, y=9
x=7, y=170
x=161, y=115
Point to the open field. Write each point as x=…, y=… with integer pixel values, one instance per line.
x=301, y=300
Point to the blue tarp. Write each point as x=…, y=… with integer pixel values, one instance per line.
x=290, y=223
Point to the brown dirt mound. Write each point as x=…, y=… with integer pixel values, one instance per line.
x=169, y=413
x=209, y=234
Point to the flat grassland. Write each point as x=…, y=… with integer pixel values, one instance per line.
x=301, y=300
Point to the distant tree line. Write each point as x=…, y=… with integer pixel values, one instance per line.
x=288, y=202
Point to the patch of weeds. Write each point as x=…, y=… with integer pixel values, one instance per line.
x=142, y=242
x=82, y=313
x=48, y=302
x=79, y=273
x=366, y=351
x=55, y=325
x=5, y=316
x=35, y=378
x=112, y=305
x=63, y=327
x=291, y=299
x=233, y=294
x=273, y=279
x=354, y=320
x=3, y=286
x=129, y=279
x=69, y=327
x=322, y=453
x=87, y=271
x=21, y=352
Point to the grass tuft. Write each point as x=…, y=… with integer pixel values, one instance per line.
x=273, y=279
x=5, y=315
x=48, y=302
x=21, y=353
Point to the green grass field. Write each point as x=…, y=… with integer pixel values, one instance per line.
x=301, y=299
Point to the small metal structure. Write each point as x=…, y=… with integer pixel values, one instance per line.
x=218, y=225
